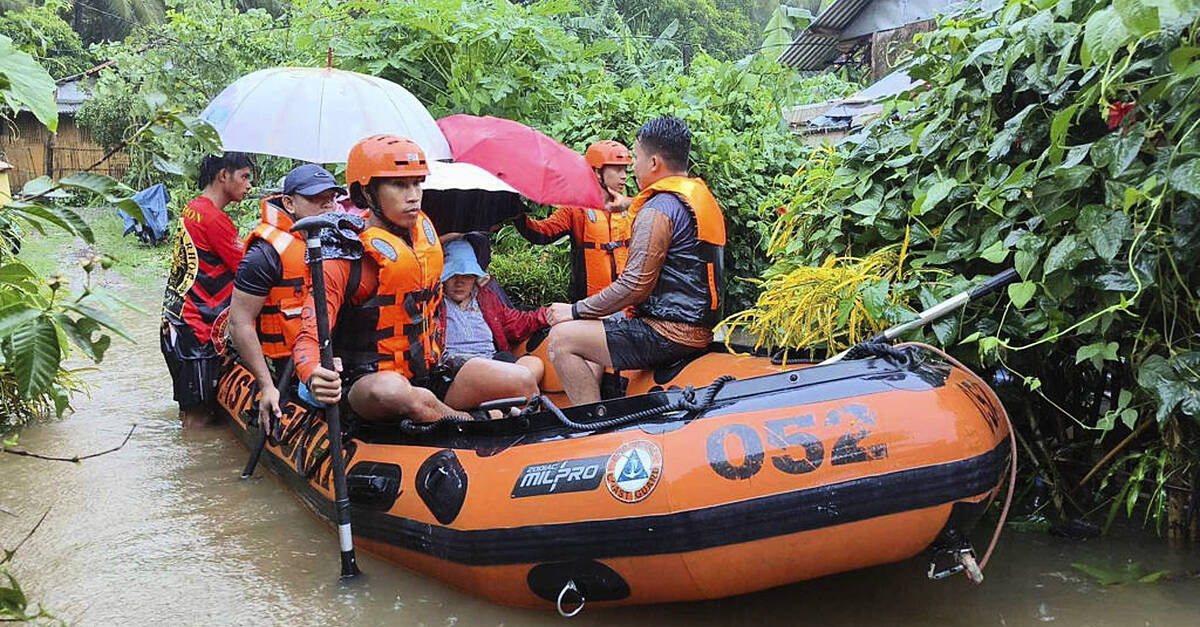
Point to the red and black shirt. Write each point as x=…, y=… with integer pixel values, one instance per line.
x=205, y=258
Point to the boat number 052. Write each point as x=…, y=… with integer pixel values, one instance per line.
x=796, y=451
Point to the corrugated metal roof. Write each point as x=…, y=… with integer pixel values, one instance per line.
x=839, y=15
x=816, y=45
x=70, y=97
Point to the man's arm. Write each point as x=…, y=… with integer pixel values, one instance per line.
x=546, y=231
x=259, y=271
x=647, y=252
x=307, y=352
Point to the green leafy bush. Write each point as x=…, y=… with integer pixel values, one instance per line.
x=530, y=275
x=1057, y=137
x=545, y=65
x=41, y=318
x=38, y=30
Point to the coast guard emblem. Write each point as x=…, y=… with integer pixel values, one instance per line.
x=633, y=471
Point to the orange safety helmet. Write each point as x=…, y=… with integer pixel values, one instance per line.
x=381, y=156
x=607, y=152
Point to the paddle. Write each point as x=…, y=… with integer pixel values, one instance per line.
x=937, y=311
x=283, y=385
x=332, y=235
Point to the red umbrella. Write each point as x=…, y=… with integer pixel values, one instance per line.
x=538, y=167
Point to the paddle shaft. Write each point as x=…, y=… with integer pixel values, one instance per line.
x=333, y=420
x=283, y=385
x=939, y=310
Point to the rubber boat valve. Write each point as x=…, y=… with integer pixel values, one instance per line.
x=570, y=588
x=962, y=560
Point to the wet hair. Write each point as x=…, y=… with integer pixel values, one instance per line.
x=669, y=138
x=211, y=165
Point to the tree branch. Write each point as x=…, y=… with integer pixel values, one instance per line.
x=77, y=458
x=8, y=555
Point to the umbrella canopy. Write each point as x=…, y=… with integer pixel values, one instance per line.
x=540, y=168
x=317, y=114
x=461, y=197
x=465, y=176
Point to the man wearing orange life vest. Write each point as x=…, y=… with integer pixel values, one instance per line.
x=599, y=239
x=673, y=279
x=383, y=308
x=270, y=286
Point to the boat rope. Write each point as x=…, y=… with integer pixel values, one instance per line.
x=411, y=427
x=1012, y=438
x=686, y=402
x=867, y=349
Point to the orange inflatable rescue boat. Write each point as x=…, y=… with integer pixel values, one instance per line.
x=667, y=493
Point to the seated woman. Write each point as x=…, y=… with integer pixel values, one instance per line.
x=474, y=321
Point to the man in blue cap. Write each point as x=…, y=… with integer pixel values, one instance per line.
x=271, y=282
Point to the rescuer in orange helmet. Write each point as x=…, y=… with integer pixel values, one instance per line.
x=383, y=307
x=599, y=239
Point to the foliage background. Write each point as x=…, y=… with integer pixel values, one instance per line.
x=576, y=74
x=1060, y=138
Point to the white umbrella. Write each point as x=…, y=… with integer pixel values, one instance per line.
x=463, y=176
x=317, y=114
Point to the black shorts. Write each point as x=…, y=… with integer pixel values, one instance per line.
x=633, y=345
x=195, y=378
x=437, y=380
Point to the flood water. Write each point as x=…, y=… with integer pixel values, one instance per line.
x=164, y=532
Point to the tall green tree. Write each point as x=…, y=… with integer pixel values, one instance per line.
x=726, y=29
x=40, y=31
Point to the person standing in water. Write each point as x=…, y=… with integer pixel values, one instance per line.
x=206, y=255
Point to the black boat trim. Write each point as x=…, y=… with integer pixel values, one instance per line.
x=681, y=532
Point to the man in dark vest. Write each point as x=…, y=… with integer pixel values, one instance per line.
x=674, y=279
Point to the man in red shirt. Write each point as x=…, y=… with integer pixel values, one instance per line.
x=206, y=256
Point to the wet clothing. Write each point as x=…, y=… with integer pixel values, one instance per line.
x=274, y=268
x=200, y=283
x=599, y=244
x=206, y=253
x=674, y=278
x=381, y=308
x=194, y=379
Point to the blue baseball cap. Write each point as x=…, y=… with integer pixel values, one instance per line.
x=310, y=179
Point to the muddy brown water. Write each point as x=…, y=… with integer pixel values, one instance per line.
x=164, y=532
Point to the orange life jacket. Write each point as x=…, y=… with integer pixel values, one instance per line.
x=691, y=284
x=278, y=322
x=394, y=329
x=604, y=238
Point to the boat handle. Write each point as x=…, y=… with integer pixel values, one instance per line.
x=570, y=587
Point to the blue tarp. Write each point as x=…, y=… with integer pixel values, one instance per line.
x=153, y=201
